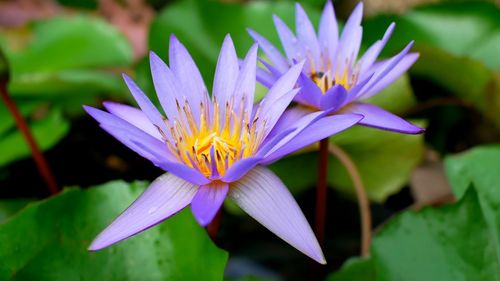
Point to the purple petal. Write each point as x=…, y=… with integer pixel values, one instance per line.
x=134, y=116
x=373, y=52
x=282, y=86
x=126, y=133
x=167, y=89
x=271, y=52
x=328, y=31
x=265, y=78
x=291, y=45
x=188, y=75
x=166, y=196
x=240, y=168
x=226, y=74
x=310, y=94
x=334, y=98
x=350, y=40
x=245, y=85
x=396, y=72
x=179, y=169
x=264, y=197
x=208, y=200
x=378, y=118
x=323, y=128
x=271, y=113
x=298, y=127
x=146, y=105
x=288, y=119
x=384, y=70
x=307, y=35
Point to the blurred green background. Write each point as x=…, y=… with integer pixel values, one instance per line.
x=435, y=197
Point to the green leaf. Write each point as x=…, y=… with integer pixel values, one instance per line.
x=481, y=167
x=48, y=240
x=354, y=269
x=66, y=56
x=47, y=132
x=453, y=242
x=12, y=206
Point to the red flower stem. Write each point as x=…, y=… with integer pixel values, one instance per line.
x=213, y=227
x=321, y=189
x=363, y=202
x=41, y=163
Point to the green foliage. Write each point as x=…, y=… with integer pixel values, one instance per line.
x=453, y=242
x=458, y=45
x=480, y=167
x=47, y=131
x=48, y=240
x=66, y=56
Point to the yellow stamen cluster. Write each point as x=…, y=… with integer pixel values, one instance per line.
x=217, y=141
x=347, y=77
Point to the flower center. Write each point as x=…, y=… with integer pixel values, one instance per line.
x=221, y=138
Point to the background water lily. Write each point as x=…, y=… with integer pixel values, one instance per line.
x=212, y=146
x=333, y=78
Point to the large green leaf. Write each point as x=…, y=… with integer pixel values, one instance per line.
x=480, y=167
x=450, y=243
x=48, y=241
x=354, y=269
x=46, y=131
x=453, y=242
x=66, y=55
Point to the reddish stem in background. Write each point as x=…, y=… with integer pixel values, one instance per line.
x=321, y=189
x=213, y=227
x=41, y=163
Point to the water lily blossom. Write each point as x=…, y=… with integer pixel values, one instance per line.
x=213, y=147
x=333, y=78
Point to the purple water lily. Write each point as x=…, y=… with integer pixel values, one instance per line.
x=333, y=78
x=213, y=147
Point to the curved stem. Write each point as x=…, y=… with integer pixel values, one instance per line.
x=363, y=202
x=41, y=163
x=321, y=190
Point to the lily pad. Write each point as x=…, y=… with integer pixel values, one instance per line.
x=453, y=242
x=48, y=240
